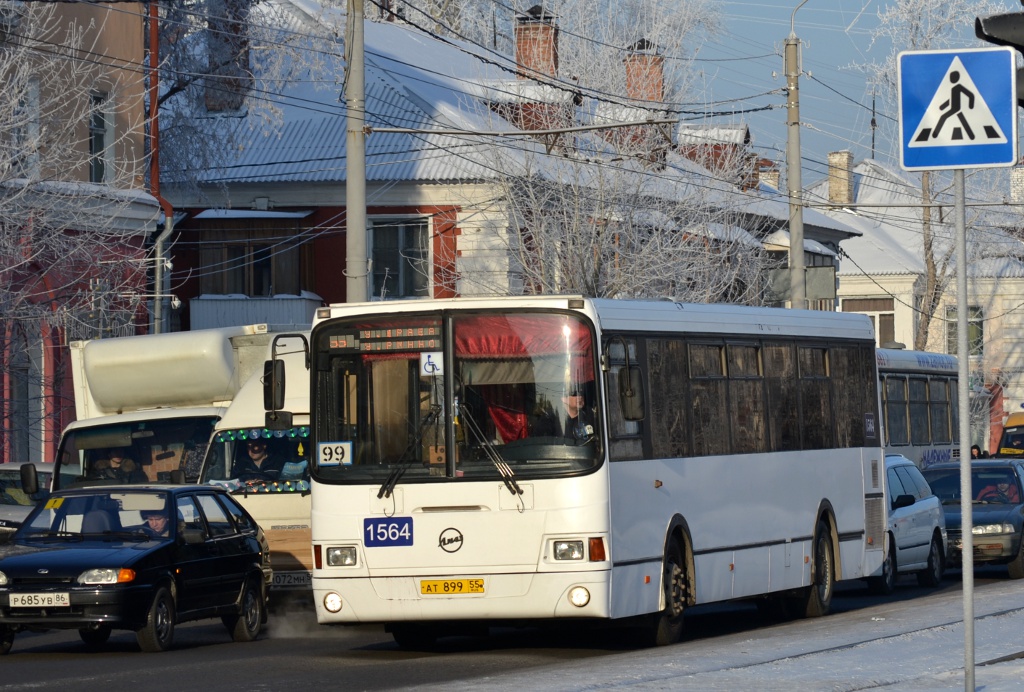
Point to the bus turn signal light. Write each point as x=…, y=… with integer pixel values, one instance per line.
x=597, y=550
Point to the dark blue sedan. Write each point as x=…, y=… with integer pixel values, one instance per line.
x=997, y=511
x=140, y=558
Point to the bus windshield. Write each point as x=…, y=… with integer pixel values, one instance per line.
x=142, y=451
x=516, y=392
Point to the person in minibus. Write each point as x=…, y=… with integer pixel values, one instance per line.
x=258, y=462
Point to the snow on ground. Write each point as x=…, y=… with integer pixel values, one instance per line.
x=905, y=645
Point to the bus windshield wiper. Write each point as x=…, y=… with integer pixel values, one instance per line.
x=408, y=456
x=504, y=470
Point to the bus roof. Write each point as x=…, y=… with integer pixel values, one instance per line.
x=647, y=315
x=892, y=359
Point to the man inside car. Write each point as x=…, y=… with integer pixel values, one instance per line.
x=157, y=524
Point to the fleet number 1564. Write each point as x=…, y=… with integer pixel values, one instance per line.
x=390, y=531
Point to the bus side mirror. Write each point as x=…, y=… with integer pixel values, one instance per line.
x=631, y=393
x=29, y=479
x=273, y=385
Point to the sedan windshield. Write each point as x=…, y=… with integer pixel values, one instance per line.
x=100, y=514
x=467, y=396
x=997, y=485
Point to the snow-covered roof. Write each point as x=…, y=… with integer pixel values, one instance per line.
x=250, y=214
x=413, y=80
x=781, y=239
x=890, y=223
x=770, y=203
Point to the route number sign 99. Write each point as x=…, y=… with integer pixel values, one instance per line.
x=334, y=453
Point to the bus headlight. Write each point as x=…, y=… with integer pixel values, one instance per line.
x=332, y=602
x=568, y=550
x=341, y=557
x=579, y=596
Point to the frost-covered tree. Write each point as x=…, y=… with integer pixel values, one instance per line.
x=616, y=212
x=926, y=25
x=608, y=226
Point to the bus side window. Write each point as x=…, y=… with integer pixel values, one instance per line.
x=624, y=433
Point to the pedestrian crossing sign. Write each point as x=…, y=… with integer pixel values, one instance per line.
x=957, y=108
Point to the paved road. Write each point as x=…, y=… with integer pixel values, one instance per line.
x=727, y=647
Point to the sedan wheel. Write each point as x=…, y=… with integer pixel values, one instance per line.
x=158, y=632
x=6, y=639
x=1017, y=566
x=246, y=626
x=885, y=583
x=932, y=575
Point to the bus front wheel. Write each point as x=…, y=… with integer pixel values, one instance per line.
x=667, y=626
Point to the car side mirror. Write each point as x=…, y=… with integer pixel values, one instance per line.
x=903, y=501
x=29, y=479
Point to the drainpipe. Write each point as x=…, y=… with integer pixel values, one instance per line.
x=154, y=169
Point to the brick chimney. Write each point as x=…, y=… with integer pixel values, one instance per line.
x=840, y=177
x=769, y=175
x=536, y=43
x=645, y=72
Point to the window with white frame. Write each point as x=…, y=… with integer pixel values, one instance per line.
x=101, y=138
x=975, y=331
x=401, y=257
x=882, y=314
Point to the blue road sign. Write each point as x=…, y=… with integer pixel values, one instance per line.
x=958, y=108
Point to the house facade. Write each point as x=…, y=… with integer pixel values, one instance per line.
x=72, y=200
x=261, y=237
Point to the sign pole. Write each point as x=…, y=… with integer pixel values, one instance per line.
x=963, y=392
x=958, y=109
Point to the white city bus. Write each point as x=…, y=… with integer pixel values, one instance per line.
x=920, y=410
x=734, y=453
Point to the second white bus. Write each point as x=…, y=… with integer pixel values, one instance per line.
x=920, y=410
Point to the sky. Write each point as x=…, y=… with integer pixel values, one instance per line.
x=835, y=97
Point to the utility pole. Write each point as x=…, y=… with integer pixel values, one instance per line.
x=355, y=174
x=797, y=297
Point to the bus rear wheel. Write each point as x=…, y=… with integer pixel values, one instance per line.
x=816, y=600
x=667, y=626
